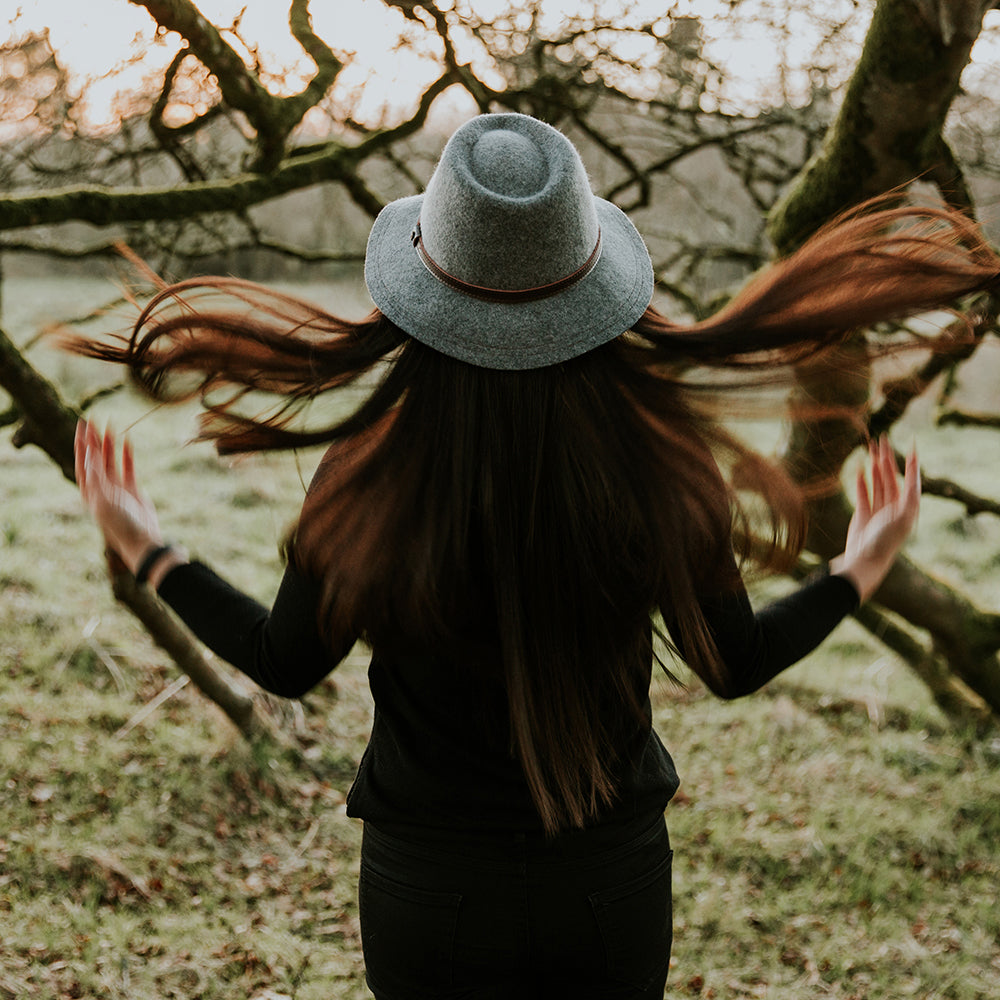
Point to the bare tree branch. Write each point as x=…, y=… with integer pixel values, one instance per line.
x=676, y=156
x=948, y=490
x=362, y=195
x=956, y=343
x=168, y=137
x=328, y=65
x=241, y=90
x=103, y=206
x=635, y=176
x=10, y=416
x=272, y=118
x=960, y=418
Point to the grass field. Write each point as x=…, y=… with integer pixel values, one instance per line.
x=833, y=837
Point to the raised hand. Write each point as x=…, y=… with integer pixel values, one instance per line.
x=124, y=514
x=881, y=522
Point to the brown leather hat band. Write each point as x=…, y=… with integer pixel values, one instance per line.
x=503, y=294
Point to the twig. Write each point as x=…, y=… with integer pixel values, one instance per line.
x=307, y=839
x=105, y=657
x=948, y=490
x=153, y=704
x=961, y=418
x=107, y=864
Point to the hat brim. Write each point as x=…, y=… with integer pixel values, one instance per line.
x=508, y=336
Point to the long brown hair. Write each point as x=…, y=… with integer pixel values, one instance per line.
x=556, y=509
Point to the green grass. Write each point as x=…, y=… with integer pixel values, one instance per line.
x=834, y=839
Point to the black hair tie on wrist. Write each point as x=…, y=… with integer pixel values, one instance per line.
x=149, y=561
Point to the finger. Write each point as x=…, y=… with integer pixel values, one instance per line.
x=878, y=492
x=863, y=507
x=94, y=471
x=128, y=467
x=911, y=482
x=891, y=471
x=108, y=456
x=100, y=465
x=80, y=455
x=83, y=454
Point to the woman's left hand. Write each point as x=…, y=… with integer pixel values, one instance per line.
x=125, y=515
x=881, y=522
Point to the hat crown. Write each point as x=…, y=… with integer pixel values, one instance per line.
x=508, y=164
x=509, y=206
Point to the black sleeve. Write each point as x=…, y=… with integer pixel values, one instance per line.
x=280, y=649
x=756, y=646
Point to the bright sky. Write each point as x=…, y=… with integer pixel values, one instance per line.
x=93, y=37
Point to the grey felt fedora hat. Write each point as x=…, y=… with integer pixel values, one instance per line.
x=508, y=260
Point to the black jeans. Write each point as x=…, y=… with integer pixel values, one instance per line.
x=452, y=916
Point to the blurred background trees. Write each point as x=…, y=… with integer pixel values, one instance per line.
x=221, y=161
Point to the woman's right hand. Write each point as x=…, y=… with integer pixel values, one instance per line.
x=881, y=522
x=125, y=515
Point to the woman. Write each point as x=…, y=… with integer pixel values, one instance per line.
x=529, y=482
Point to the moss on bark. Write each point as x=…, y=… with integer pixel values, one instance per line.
x=888, y=130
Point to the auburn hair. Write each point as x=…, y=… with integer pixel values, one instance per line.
x=557, y=509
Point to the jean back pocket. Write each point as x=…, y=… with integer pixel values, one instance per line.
x=635, y=920
x=407, y=934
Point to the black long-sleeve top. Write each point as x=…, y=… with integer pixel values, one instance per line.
x=439, y=752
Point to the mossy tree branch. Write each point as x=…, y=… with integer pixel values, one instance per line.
x=48, y=422
x=951, y=695
x=105, y=206
x=964, y=636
